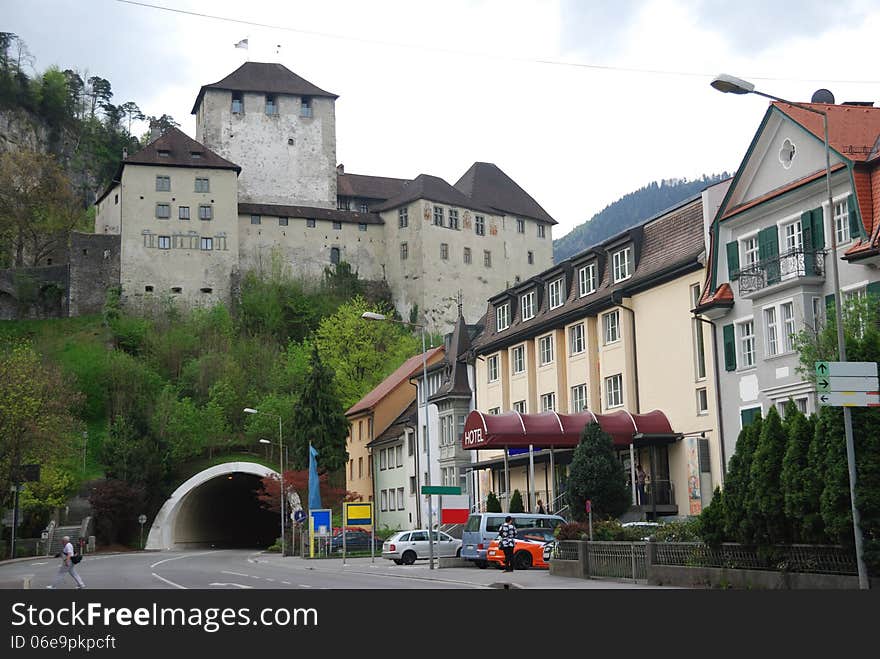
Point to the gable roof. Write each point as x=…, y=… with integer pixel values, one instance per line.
x=432, y=188
x=487, y=185
x=852, y=129
x=403, y=373
x=456, y=385
x=265, y=77
x=409, y=418
x=369, y=187
x=177, y=148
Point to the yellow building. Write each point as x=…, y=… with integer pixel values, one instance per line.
x=373, y=414
x=609, y=330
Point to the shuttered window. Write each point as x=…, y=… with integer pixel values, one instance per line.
x=749, y=415
x=729, y=348
x=768, y=252
x=732, y=259
x=855, y=225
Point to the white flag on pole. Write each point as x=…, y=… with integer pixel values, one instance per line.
x=242, y=44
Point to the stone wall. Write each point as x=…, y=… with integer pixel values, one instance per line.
x=30, y=293
x=94, y=268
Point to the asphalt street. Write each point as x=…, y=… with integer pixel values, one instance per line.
x=247, y=569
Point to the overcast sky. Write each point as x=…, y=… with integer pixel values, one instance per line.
x=578, y=101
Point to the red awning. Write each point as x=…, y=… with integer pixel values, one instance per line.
x=512, y=429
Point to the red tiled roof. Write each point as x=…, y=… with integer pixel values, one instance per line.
x=867, y=183
x=852, y=129
x=723, y=295
x=403, y=373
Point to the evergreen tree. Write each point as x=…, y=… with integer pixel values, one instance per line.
x=319, y=419
x=516, y=503
x=597, y=475
x=835, y=503
x=801, y=481
x=492, y=503
x=712, y=523
x=766, y=498
x=738, y=524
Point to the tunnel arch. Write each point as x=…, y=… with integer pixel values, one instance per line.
x=175, y=525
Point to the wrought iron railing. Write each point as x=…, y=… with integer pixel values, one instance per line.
x=618, y=560
x=794, y=263
x=821, y=559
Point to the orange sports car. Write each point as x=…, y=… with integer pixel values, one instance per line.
x=527, y=552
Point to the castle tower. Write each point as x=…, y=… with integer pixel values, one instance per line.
x=281, y=130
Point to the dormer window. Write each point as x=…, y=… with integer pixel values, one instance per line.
x=164, y=153
x=271, y=105
x=555, y=290
x=528, y=305
x=622, y=264
x=195, y=155
x=502, y=317
x=587, y=280
x=305, y=109
x=237, y=103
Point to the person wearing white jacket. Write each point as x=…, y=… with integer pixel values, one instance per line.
x=67, y=566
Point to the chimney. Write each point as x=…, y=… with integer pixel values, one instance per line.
x=155, y=131
x=124, y=153
x=340, y=168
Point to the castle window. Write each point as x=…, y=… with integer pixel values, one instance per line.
x=271, y=105
x=176, y=289
x=531, y=258
x=438, y=216
x=310, y=223
x=282, y=221
x=202, y=185
x=148, y=289
x=364, y=207
x=520, y=225
x=207, y=244
x=116, y=199
x=542, y=231
x=183, y=213
x=453, y=218
x=467, y=255
x=404, y=251
x=334, y=255
x=256, y=219
x=479, y=225
x=206, y=212
x=342, y=203
x=444, y=251
x=206, y=290
x=337, y=226
x=237, y=103
x=163, y=183
x=402, y=218
x=487, y=258
x=163, y=211
x=305, y=108
x=164, y=242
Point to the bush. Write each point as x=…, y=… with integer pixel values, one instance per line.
x=492, y=503
x=572, y=531
x=689, y=530
x=516, y=503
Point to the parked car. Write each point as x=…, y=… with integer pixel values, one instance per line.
x=405, y=547
x=548, y=551
x=482, y=528
x=356, y=539
x=528, y=550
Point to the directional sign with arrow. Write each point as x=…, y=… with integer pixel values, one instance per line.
x=847, y=384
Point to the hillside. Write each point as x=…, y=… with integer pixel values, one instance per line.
x=629, y=211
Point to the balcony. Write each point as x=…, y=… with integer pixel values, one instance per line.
x=791, y=267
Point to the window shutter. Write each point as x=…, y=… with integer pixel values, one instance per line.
x=732, y=259
x=747, y=416
x=807, y=230
x=855, y=226
x=818, y=225
x=830, y=310
x=873, y=289
x=729, y=348
x=768, y=252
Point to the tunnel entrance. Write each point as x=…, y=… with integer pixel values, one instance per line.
x=217, y=508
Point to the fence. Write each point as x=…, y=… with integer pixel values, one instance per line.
x=609, y=560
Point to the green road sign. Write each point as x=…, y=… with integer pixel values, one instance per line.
x=847, y=369
x=840, y=383
x=440, y=489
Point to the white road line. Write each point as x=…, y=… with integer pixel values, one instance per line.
x=304, y=585
x=237, y=574
x=43, y=563
x=176, y=585
x=237, y=585
x=177, y=558
x=268, y=579
x=286, y=582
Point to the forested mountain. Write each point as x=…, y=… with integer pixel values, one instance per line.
x=629, y=211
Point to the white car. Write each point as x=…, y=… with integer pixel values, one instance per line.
x=405, y=547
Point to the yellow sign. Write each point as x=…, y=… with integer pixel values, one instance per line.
x=358, y=513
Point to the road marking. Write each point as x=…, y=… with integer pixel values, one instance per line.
x=304, y=585
x=268, y=579
x=43, y=563
x=286, y=582
x=176, y=585
x=177, y=558
x=237, y=585
x=237, y=574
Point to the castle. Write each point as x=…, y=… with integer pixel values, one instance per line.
x=260, y=183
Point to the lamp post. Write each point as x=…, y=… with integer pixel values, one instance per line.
x=369, y=315
x=250, y=410
x=732, y=85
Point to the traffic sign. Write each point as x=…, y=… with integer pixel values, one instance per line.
x=142, y=519
x=299, y=516
x=588, y=505
x=357, y=513
x=843, y=383
x=847, y=369
x=849, y=399
x=440, y=489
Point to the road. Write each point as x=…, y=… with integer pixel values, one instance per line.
x=247, y=569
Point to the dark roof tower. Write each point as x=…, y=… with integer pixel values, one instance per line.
x=487, y=185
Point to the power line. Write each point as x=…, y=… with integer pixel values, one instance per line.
x=549, y=62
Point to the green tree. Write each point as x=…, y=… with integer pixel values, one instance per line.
x=133, y=456
x=516, y=502
x=738, y=522
x=598, y=475
x=801, y=479
x=766, y=496
x=492, y=503
x=712, y=521
x=318, y=418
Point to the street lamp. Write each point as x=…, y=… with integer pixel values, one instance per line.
x=369, y=315
x=732, y=85
x=250, y=410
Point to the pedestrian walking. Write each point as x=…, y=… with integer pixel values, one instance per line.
x=541, y=510
x=507, y=535
x=641, y=477
x=67, y=566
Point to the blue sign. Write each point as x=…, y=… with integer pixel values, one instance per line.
x=299, y=516
x=320, y=521
x=517, y=451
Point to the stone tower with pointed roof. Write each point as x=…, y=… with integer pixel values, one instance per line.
x=281, y=130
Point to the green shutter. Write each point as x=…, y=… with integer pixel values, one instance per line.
x=818, y=225
x=855, y=226
x=732, y=259
x=729, y=347
x=807, y=233
x=873, y=289
x=768, y=252
x=830, y=311
x=747, y=416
